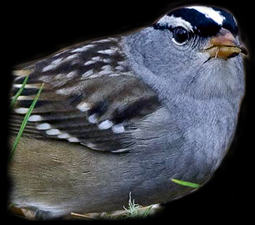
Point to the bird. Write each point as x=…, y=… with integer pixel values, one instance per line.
x=127, y=114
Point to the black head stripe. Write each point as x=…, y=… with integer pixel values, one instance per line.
x=202, y=24
x=229, y=22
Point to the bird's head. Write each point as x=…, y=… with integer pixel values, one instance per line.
x=197, y=48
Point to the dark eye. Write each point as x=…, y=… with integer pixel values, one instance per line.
x=180, y=35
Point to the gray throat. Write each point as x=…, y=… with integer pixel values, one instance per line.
x=202, y=105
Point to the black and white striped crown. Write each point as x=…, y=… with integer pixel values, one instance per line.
x=202, y=20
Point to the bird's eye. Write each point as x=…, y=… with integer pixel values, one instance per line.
x=180, y=35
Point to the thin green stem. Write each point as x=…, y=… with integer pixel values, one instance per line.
x=24, y=123
x=19, y=92
x=186, y=183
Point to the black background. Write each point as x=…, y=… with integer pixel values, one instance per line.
x=32, y=31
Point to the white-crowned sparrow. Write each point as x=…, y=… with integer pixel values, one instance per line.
x=128, y=113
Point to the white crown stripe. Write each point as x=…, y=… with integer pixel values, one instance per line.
x=209, y=13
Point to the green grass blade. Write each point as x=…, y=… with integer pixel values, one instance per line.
x=19, y=92
x=186, y=183
x=147, y=212
x=24, y=123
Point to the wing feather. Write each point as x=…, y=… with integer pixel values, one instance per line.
x=90, y=97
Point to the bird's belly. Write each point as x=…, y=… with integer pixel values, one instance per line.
x=81, y=180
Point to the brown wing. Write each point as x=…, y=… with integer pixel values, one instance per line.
x=90, y=97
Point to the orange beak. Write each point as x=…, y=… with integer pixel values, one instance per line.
x=223, y=46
